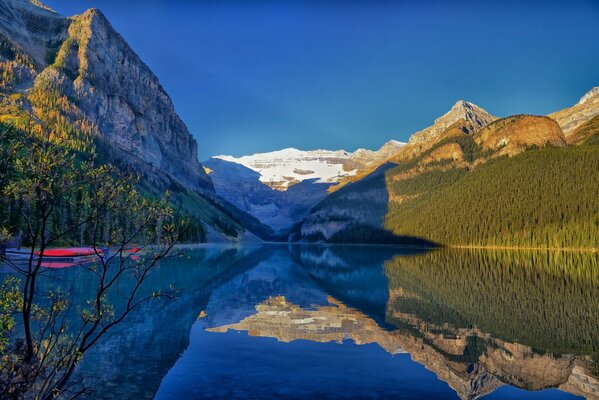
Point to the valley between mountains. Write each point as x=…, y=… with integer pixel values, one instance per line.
x=469, y=179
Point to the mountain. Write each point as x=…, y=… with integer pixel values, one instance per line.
x=512, y=182
x=462, y=118
x=474, y=117
x=79, y=76
x=571, y=118
x=540, y=198
x=360, y=203
x=284, y=168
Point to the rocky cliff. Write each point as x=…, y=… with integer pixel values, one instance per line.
x=587, y=132
x=101, y=81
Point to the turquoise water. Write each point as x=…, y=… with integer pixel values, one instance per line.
x=351, y=322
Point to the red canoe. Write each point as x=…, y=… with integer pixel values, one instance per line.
x=70, y=252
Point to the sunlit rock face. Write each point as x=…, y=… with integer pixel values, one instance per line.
x=582, y=382
x=572, y=117
x=513, y=135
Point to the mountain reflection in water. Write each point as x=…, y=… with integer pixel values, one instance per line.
x=345, y=322
x=478, y=320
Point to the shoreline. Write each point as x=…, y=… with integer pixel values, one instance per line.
x=489, y=247
x=449, y=246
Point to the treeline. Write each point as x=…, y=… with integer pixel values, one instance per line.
x=541, y=198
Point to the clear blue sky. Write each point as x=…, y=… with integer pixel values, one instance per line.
x=252, y=76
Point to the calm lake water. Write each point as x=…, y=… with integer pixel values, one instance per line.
x=351, y=322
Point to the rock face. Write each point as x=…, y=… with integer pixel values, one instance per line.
x=32, y=28
x=474, y=117
x=571, y=118
x=123, y=99
x=512, y=135
x=104, y=83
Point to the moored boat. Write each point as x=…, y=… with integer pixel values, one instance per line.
x=57, y=255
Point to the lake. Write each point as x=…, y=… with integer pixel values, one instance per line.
x=355, y=322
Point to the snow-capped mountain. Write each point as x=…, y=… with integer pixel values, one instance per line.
x=284, y=168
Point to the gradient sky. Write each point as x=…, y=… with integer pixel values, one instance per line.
x=251, y=76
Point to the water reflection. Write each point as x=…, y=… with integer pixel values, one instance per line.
x=356, y=322
x=478, y=320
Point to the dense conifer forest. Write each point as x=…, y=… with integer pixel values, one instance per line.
x=541, y=198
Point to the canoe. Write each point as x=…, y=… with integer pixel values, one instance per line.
x=77, y=255
x=70, y=252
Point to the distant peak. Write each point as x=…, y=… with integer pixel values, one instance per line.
x=473, y=115
x=589, y=95
x=465, y=105
x=463, y=109
x=94, y=13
